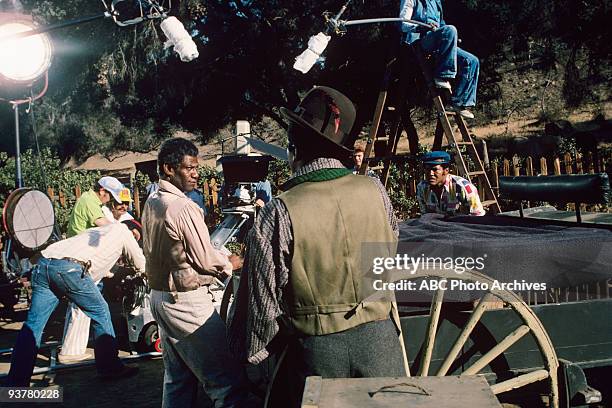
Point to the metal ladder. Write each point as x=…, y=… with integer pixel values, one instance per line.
x=400, y=119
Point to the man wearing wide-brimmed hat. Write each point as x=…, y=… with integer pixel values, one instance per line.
x=302, y=282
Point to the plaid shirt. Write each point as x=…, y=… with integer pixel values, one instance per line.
x=459, y=196
x=259, y=302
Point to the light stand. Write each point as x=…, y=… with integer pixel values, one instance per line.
x=18, y=176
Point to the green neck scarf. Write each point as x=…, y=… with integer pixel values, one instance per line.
x=317, y=175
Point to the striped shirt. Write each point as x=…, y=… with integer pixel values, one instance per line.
x=102, y=246
x=253, y=322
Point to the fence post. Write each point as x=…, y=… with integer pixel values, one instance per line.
x=557, y=166
x=213, y=191
x=137, y=202
x=543, y=166
x=567, y=158
x=206, y=193
x=51, y=193
x=62, y=198
x=529, y=166
x=496, y=177
x=77, y=192
x=579, y=168
x=506, y=167
x=214, y=188
x=515, y=166
x=485, y=154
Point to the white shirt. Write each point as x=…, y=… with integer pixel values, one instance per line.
x=102, y=246
x=406, y=9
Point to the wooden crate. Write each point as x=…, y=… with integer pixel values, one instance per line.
x=422, y=392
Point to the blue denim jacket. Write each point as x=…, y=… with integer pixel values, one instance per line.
x=420, y=12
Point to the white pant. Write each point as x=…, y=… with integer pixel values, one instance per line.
x=194, y=349
x=76, y=331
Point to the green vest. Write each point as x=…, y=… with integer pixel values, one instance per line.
x=329, y=280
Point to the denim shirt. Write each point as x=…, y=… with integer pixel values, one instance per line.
x=426, y=11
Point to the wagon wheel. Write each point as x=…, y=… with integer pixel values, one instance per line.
x=530, y=325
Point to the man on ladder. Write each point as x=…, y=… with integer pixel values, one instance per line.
x=450, y=61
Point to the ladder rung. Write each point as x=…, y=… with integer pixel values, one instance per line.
x=382, y=139
x=450, y=113
x=377, y=168
x=391, y=108
x=487, y=203
x=475, y=173
x=464, y=143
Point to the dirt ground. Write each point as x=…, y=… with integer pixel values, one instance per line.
x=81, y=386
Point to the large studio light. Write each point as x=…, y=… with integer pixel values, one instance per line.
x=23, y=59
x=25, y=56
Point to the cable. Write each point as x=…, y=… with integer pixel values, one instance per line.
x=43, y=174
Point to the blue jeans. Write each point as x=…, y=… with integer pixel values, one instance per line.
x=451, y=61
x=263, y=191
x=53, y=279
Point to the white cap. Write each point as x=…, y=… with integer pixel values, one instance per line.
x=113, y=186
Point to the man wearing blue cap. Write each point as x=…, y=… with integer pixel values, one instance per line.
x=445, y=193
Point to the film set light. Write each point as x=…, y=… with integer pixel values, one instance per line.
x=25, y=59
x=317, y=43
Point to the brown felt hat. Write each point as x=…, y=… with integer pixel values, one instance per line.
x=329, y=115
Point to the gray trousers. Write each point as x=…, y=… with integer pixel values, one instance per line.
x=195, y=351
x=368, y=350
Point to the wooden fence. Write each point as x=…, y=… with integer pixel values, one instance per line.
x=567, y=164
x=529, y=166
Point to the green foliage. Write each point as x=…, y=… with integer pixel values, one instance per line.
x=278, y=172
x=117, y=88
x=400, y=177
x=57, y=177
x=208, y=172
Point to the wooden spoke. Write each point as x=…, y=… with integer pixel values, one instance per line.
x=436, y=307
x=465, y=334
x=530, y=325
x=519, y=381
x=497, y=350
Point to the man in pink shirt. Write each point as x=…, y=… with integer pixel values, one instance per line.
x=181, y=264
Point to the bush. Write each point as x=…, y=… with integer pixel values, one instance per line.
x=56, y=177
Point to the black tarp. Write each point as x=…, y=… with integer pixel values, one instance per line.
x=515, y=249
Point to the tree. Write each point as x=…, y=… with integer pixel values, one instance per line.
x=117, y=88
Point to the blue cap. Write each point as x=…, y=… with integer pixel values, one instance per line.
x=434, y=158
